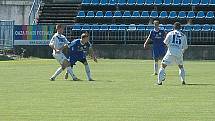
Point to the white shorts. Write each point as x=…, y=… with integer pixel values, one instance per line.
x=171, y=59
x=60, y=57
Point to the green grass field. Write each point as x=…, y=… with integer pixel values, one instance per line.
x=124, y=90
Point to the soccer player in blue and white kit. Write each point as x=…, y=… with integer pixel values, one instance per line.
x=77, y=52
x=176, y=42
x=58, y=43
x=158, y=50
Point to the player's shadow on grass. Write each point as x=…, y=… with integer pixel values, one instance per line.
x=203, y=84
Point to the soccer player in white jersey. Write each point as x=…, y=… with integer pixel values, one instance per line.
x=176, y=42
x=58, y=43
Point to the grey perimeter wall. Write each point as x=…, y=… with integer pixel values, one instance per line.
x=17, y=10
x=124, y=52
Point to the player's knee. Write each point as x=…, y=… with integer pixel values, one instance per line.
x=163, y=65
x=180, y=66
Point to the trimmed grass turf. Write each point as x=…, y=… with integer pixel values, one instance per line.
x=124, y=90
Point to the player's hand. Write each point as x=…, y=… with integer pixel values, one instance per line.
x=95, y=59
x=145, y=45
x=57, y=51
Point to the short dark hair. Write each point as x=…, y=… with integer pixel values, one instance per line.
x=84, y=35
x=177, y=25
x=58, y=26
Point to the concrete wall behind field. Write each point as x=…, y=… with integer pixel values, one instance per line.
x=17, y=10
x=125, y=52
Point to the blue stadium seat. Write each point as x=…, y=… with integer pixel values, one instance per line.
x=172, y=15
x=212, y=2
x=149, y=2
x=195, y=2
x=117, y=14
x=197, y=27
x=140, y=2
x=158, y=2
x=168, y=27
x=167, y=2
x=122, y=27
x=186, y=2
x=90, y=14
x=212, y=27
x=76, y=27
x=182, y=15
x=163, y=15
x=113, y=27
x=95, y=27
x=206, y=27
x=103, y=27
x=191, y=15
x=200, y=15
x=108, y=14
x=126, y=15
x=99, y=14
x=86, y=2
x=141, y=27
x=104, y=2
x=112, y=2
x=121, y=2
x=209, y=15
x=131, y=2
x=85, y=27
x=145, y=14
x=81, y=14
x=154, y=14
x=204, y=2
x=149, y=27
x=176, y=2
x=131, y=27
x=135, y=14
x=95, y=2
x=187, y=28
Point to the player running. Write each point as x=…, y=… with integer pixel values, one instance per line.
x=77, y=52
x=176, y=42
x=58, y=43
x=157, y=36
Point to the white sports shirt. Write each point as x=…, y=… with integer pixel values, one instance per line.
x=58, y=41
x=176, y=42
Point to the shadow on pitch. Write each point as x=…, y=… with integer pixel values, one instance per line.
x=192, y=84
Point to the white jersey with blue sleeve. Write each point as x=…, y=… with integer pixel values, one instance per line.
x=58, y=41
x=176, y=42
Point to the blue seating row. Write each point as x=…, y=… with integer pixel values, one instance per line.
x=148, y=2
x=147, y=14
x=140, y=27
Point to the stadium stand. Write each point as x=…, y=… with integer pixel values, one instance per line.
x=122, y=19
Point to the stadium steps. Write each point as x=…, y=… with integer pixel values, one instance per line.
x=63, y=13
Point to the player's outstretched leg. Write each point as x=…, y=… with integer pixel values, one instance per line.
x=70, y=72
x=182, y=74
x=87, y=69
x=58, y=71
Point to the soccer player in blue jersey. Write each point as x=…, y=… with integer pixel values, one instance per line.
x=157, y=36
x=77, y=52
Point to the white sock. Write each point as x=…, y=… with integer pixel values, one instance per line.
x=87, y=69
x=58, y=71
x=156, y=67
x=161, y=75
x=182, y=74
x=70, y=71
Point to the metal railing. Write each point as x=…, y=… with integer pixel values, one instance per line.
x=6, y=34
x=32, y=17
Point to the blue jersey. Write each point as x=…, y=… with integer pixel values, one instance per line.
x=157, y=38
x=77, y=50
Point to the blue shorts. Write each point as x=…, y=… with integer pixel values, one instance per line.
x=158, y=52
x=74, y=59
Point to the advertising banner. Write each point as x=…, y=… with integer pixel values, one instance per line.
x=33, y=34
